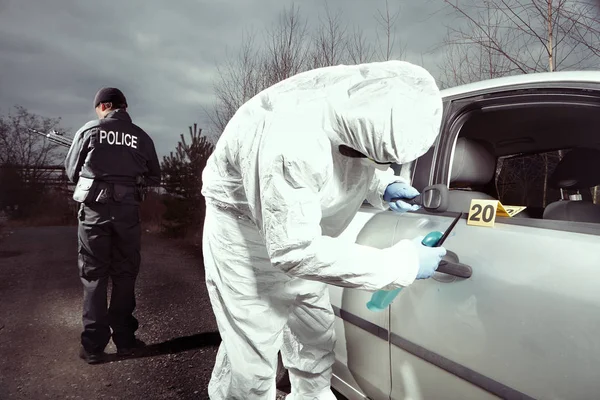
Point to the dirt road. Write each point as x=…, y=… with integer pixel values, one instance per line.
x=40, y=323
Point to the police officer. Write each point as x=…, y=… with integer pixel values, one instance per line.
x=109, y=160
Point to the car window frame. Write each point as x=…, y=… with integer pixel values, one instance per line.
x=459, y=111
x=421, y=173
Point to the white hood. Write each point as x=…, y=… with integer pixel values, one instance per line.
x=390, y=111
x=393, y=115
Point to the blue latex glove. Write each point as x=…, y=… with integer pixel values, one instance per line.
x=429, y=258
x=403, y=190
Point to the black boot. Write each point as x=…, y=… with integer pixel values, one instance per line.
x=127, y=351
x=91, y=358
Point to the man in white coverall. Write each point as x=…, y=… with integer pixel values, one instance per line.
x=280, y=186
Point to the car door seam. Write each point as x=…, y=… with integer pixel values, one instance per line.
x=389, y=327
x=484, y=382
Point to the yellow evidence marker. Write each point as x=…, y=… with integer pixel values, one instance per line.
x=484, y=212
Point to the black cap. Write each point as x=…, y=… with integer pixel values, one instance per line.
x=110, y=95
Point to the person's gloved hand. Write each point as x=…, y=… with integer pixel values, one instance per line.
x=402, y=190
x=429, y=258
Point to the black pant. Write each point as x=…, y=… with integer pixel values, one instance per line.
x=109, y=246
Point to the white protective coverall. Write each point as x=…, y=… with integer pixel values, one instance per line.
x=279, y=192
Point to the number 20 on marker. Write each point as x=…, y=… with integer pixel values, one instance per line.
x=482, y=212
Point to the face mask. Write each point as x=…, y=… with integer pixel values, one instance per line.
x=370, y=163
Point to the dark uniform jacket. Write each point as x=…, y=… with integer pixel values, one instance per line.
x=113, y=150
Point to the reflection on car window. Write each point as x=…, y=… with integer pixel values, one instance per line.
x=523, y=180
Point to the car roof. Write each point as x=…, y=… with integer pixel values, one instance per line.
x=509, y=82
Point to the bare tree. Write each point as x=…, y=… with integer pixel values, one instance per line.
x=239, y=79
x=20, y=147
x=256, y=66
x=469, y=60
x=330, y=44
x=287, y=48
x=359, y=49
x=24, y=158
x=524, y=179
x=587, y=20
x=507, y=37
x=387, y=24
x=496, y=38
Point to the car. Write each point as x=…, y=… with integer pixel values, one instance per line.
x=525, y=324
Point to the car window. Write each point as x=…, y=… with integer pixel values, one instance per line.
x=523, y=180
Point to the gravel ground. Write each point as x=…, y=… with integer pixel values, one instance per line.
x=40, y=323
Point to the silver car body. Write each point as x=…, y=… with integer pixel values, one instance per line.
x=526, y=323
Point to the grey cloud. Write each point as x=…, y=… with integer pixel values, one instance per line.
x=54, y=55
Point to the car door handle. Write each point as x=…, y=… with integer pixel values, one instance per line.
x=455, y=268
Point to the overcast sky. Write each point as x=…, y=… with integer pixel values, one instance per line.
x=55, y=54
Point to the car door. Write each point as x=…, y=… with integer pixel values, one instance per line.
x=362, y=366
x=524, y=325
